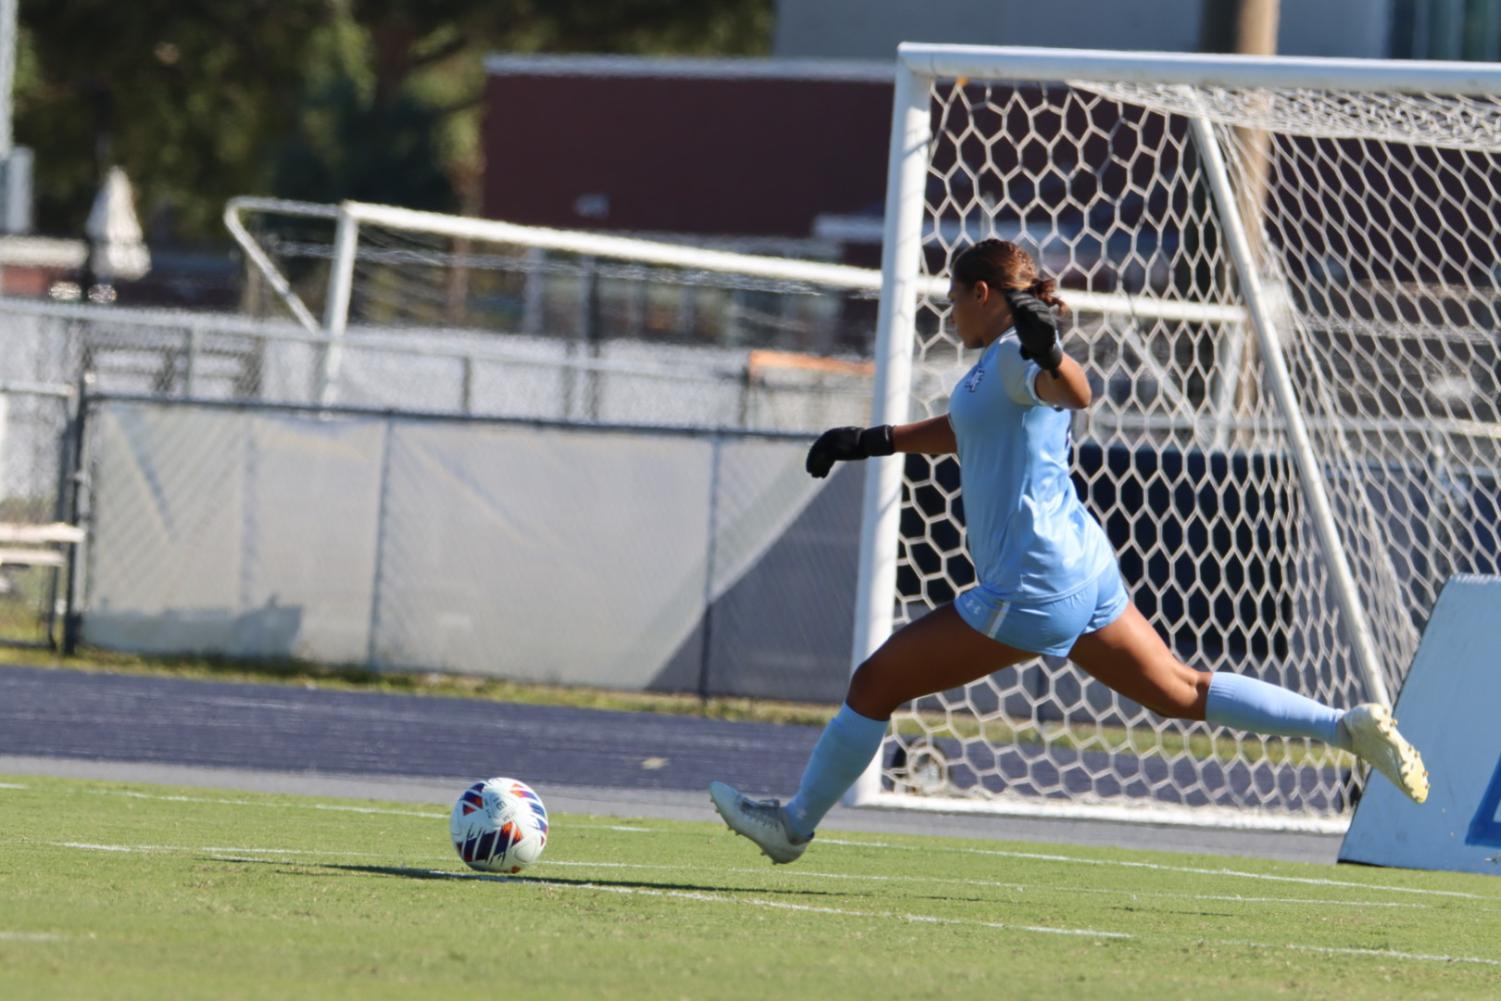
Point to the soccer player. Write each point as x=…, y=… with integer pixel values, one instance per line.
x=1048, y=581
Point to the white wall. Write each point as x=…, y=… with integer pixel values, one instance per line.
x=871, y=29
x=558, y=555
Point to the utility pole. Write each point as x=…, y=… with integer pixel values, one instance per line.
x=7, y=71
x=15, y=161
x=1249, y=28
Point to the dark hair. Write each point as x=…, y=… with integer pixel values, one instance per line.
x=1003, y=265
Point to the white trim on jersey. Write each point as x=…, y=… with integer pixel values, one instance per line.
x=1018, y=375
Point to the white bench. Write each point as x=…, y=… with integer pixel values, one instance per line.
x=37, y=545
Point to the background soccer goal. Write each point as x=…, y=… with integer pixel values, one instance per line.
x=597, y=328
x=1284, y=280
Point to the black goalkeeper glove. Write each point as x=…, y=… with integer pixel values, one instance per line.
x=1037, y=329
x=843, y=444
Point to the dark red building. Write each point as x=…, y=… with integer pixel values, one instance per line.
x=721, y=147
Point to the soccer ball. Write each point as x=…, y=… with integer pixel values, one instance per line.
x=499, y=825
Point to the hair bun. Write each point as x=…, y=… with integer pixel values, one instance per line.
x=1046, y=290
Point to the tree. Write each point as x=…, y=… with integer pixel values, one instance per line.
x=184, y=96
x=320, y=98
x=436, y=51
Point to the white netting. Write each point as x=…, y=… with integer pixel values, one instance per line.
x=1449, y=121
x=497, y=322
x=1374, y=221
x=632, y=341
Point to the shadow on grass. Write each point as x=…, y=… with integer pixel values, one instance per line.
x=405, y=872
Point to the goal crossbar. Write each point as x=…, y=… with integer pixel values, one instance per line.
x=1198, y=69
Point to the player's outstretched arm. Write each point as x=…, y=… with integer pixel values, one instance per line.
x=933, y=436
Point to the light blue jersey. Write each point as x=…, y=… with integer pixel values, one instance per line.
x=1030, y=537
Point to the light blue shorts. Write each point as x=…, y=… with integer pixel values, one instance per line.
x=1051, y=626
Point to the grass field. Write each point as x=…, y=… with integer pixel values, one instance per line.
x=131, y=891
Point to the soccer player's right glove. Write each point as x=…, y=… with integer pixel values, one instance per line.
x=843, y=444
x=1037, y=329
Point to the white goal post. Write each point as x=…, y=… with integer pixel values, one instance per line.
x=1296, y=436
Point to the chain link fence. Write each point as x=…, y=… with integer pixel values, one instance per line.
x=656, y=559
x=55, y=350
x=52, y=348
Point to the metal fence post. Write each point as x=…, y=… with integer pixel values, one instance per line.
x=195, y=338
x=372, y=647
x=716, y=451
x=76, y=481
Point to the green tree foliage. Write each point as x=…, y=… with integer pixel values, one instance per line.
x=187, y=96
x=352, y=139
x=317, y=99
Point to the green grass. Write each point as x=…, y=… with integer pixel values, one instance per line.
x=230, y=895
x=23, y=605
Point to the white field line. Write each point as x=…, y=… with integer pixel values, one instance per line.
x=1333, y=950
x=291, y=851
x=880, y=915
x=1039, y=856
x=11, y=785
x=1160, y=867
x=1023, y=887
x=151, y=849
x=930, y=919
x=679, y=894
x=219, y=801
x=424, y=815
x=800, y=873
x=337, y=808
x=783, y=905
x=30, y=936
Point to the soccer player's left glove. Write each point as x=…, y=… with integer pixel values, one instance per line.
x=1037, y=329
x=843, y=444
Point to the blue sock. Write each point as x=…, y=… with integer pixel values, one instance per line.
x=1248, y=704
x=841, y=754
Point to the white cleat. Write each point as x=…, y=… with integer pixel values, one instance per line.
x=761, y=820
x=1373, y=736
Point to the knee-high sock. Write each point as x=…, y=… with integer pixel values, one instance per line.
x=841, y=754
x=1249, y=704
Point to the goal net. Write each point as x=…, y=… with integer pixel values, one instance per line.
x=1284, y=285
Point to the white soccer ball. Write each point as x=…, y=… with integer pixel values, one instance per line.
x=499, y=825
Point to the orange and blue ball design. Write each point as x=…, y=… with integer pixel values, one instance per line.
x=499, y=825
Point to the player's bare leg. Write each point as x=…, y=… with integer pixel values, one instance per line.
x=1130, y=657
x=935, y=653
